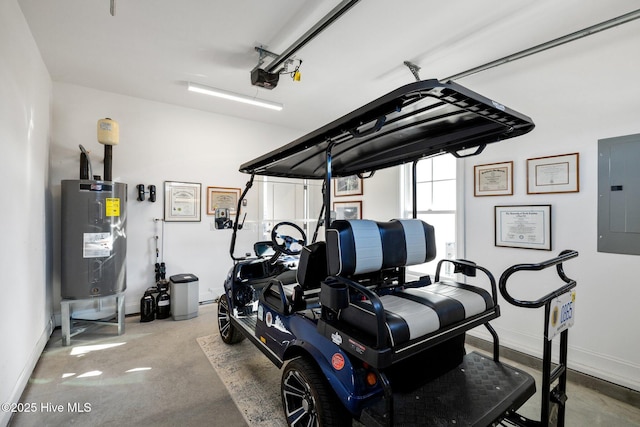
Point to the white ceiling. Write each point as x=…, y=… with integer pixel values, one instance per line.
x=151, y=48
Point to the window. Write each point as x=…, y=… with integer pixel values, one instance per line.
x=295, y=200
x=436, y=205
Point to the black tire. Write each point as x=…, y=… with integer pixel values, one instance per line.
x=228, y=332
x=308, y=399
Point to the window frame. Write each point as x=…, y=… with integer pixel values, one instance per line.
x=409, y=179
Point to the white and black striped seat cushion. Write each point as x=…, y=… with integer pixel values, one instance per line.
x=415, y=312
x=363, y=246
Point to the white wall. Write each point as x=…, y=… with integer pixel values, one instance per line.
x=576, y=94
x=380, y=195
x=160, y=142
x=25, y=291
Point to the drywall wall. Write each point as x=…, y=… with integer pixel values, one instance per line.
x=576, y=94
x=158, y=143
x=161, y=142
x=25, y=291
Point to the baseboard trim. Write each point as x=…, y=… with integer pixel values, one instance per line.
x=29, y=366
x=614, y=391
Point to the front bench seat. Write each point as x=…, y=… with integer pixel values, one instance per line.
x=298, y=285
x=363, y=246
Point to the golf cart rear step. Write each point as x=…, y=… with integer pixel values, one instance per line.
x=476, y=393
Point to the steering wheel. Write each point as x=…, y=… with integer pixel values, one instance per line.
x=287, y=244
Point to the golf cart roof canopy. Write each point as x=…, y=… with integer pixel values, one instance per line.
x=421, y=119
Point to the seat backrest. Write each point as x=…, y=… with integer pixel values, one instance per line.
x=365, y=246
x=312, y=266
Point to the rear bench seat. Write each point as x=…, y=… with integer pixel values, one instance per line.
x=414, y=313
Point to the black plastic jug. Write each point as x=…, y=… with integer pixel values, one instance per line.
x=163, y=301
x=147, y=307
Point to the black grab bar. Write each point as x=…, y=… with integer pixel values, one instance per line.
x=558, y=395
x=557, y=261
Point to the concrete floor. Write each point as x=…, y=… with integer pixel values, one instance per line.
x=157, y=375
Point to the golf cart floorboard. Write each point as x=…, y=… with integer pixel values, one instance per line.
x=247, y=326
x=476, y=393
x=248, y=323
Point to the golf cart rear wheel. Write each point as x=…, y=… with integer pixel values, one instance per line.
x=228, y=332
x=308, y=399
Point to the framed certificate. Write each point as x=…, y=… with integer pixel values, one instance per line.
x=222, y=198
x=553, y=174
x=494, y=179
x=348, y=186
x=527, y=226
x=348, y=210
x=181, y=201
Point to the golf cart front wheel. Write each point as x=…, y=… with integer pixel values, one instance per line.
x=308, y=399
x=228, y=332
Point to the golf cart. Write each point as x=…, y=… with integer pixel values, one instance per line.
x=357, y=338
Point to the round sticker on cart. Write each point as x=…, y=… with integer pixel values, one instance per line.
x=337, y=361
x=269, y=319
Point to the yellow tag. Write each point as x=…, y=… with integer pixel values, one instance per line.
x=113, y=207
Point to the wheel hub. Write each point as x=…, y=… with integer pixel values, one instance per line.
x=307, y=403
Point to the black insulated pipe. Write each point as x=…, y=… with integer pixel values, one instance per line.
x=108, y=154
x=86, y=171
x=84, y=166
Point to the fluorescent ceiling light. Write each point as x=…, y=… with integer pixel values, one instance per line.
x=194, y=87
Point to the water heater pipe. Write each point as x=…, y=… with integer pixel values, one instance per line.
x=86, y=171
x=108, y=135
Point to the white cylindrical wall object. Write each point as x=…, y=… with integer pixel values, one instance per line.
x=108, y=132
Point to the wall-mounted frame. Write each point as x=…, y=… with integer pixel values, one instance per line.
x=348, y=186
x=348, y=210
x=553, y=174
x=222, y=198
x=493, y=179
x=182, y=201
x=524, y=226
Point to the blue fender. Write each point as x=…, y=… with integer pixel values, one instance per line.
x=335, y=364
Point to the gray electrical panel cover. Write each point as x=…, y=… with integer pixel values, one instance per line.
x=94, y=246
x=619, y=195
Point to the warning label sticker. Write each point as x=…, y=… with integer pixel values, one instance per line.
x=96, y=245
x=113, y=207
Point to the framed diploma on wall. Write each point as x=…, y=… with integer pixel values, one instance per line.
x=222, y=198
x=348, y=186
x=348, y=210
x=181, y=201
x=553, y=174
x=494, y=179
x=525, y=226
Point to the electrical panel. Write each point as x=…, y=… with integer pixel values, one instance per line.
x=619, y=195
